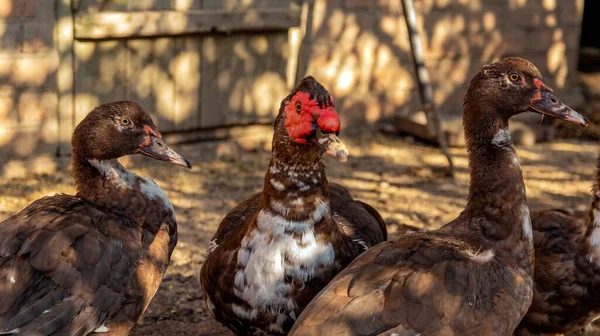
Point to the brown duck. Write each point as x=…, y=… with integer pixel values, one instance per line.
x=275, y=251
x=473, y=276
x=72, y=265
x=566, y=296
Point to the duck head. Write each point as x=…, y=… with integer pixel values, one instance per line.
x=514, y=85
x=308, y=121
x=122, y=128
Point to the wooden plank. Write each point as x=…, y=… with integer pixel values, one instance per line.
x=100, y=75
x=65, y=79
x=215, y=61
x=187, y=67
x=150, y=80
x=238, y=4
x=99, y=5
x=253, y=131
x=250, y=73
x=112, y=25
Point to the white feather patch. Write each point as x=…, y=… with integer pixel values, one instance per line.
x=526, y=217
x=501, y=138
x=481, y=257
x=212, y=245
x=277, y=185
x=154, y=192
x=269, y=254
x=112, y=169
x=279, y=207
x=211, y=306
x=594, y=239
x=102, y=329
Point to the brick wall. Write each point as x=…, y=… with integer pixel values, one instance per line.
x=28, y=67
x=360, y=49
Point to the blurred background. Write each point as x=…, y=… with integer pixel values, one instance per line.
x=207, y=68
x=213, y=72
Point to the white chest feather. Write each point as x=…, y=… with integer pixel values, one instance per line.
x=594, y=240
x=501, y=138
x=269, y=255
x=526, y=217
x=154, y=192
x=114, y=172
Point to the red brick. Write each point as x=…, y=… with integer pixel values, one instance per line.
x=37, y=37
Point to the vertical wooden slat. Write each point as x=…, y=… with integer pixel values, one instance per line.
x=65, y=76
x=243, y=78
x=186, y=67
x=100, y=75
x=188, y=82
x=210, y=109
x=150, y=81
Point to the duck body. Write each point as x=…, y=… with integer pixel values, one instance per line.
x=275, y=251
x=72, y=265
x=474, y=275
x=567, y=264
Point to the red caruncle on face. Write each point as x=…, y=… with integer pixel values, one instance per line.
x=304, y=115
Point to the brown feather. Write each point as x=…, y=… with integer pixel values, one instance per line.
x=567, y=271
x=275, y=251
x=70, y=264
x=473, y=276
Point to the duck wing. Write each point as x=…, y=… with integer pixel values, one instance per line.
x=422, y=283
x=356, y=219
x=236, y=218
x=62, y=274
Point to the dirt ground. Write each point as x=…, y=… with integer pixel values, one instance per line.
x=404, y=180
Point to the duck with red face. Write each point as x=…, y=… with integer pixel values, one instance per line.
x=275, y=251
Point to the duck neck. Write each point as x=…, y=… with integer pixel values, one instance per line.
x=497, y=200
x=109, y=185
x=297, y=193
x=592, y=236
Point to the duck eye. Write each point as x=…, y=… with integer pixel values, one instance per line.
x=125, y=121
x=298, y=107
x=514, y=77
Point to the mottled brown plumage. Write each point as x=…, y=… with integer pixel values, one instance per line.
x=70, y=265
x=567, y=269
x=275, y=251
x=474, y=275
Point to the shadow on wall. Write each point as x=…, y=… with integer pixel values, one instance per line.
x=359, y=49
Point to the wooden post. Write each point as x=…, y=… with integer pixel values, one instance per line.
x=308, y=8
x=425, y=90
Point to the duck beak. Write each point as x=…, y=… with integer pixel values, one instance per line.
x=331, y=145
x=157, y=149
x=546, y=102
